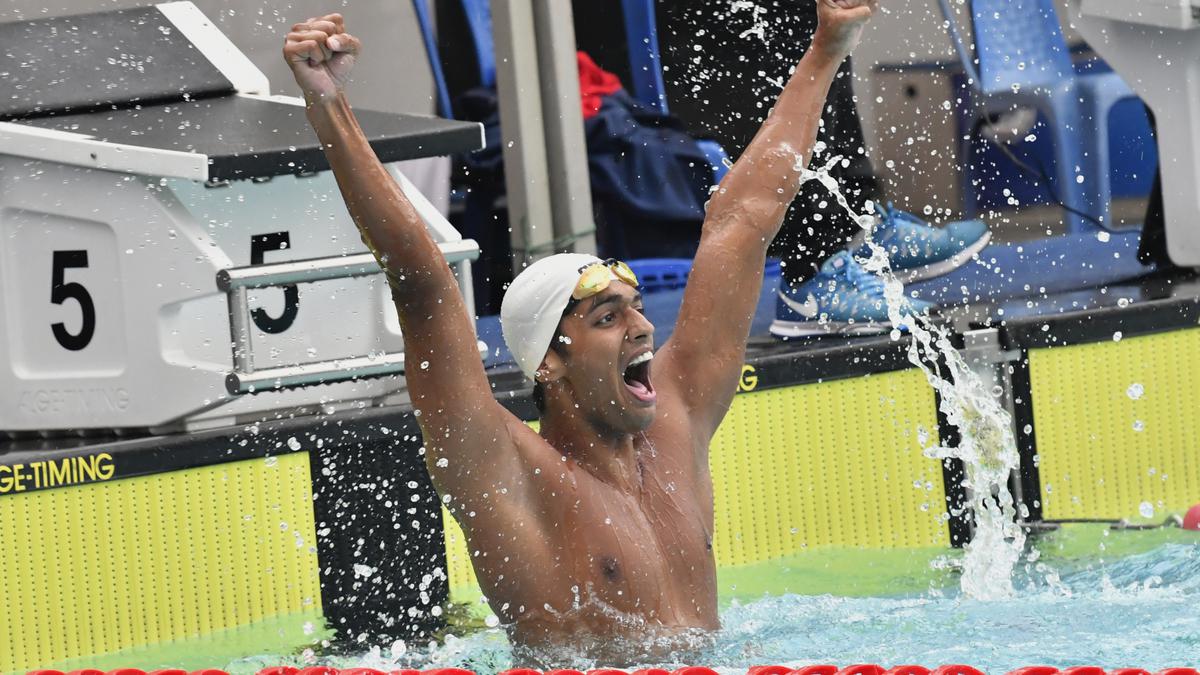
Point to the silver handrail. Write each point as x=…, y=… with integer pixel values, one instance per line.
x=323, y=269
x=236, y=281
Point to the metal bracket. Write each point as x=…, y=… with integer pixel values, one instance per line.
x=983, y=345
x=235, y=282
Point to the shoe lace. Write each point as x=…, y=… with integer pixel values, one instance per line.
x=856, y=276
x=892, y=217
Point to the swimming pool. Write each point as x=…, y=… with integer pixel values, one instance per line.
x=1087, y=594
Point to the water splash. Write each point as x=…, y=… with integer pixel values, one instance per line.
x=1138, y=607
x=758, y=20
x=987, y=447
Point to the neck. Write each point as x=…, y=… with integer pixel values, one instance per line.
x=610, y=456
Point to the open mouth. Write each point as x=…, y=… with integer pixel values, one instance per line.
x=637, y=378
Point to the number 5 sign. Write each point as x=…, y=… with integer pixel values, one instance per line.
x=62, y=276
x=61, y=291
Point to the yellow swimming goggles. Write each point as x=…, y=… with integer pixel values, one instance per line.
x=596, y=277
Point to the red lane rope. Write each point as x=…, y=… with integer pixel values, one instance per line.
x=818, y=669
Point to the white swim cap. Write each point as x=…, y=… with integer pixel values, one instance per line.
x=534, y=304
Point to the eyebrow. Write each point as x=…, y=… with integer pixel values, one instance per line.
x=610, y=298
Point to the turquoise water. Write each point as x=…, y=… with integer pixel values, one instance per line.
x=1111, y=599
x=1138, y=611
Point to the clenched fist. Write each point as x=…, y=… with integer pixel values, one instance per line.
x=321, y=54
x=840, y=24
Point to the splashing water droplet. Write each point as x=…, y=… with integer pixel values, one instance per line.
x=987, y=447
x=399, y=648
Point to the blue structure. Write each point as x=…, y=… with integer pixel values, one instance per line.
x=479, y=22
x=1021, y=59
x=641, y=36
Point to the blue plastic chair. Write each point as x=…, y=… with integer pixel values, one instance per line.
x=665, y=274
x=645, y=64
x=1023, y=61
x=661, y=274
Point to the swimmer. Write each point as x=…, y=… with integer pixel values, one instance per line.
x=593, y=536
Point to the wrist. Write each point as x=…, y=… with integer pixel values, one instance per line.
x=315, y=100
x=829, y=48
x=329, y=115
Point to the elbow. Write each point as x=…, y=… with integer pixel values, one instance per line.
x=756, y=216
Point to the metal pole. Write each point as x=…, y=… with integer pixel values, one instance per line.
x=239, y=330
x=566, y=149
x=526, y=173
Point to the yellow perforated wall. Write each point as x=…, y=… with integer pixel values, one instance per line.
x=832, y=464
x=827, y=464
x=95, y=568
x=463, y=585
x=1094, y=462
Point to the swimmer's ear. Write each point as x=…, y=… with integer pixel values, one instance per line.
x=551, y=369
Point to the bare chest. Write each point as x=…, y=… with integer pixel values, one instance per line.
x=648, y=554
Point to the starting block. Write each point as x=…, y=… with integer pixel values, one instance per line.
x=171, y=239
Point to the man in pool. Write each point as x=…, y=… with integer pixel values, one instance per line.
x=594, y=535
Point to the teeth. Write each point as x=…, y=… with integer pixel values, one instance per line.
x=642, y=359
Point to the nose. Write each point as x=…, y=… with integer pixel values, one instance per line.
x=640, y=328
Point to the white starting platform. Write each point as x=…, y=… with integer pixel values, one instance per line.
x=174, y=252
x=1155, y=46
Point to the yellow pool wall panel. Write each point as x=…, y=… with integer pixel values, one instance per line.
x=1104, y=449
x=97, y=568
x=831, y=464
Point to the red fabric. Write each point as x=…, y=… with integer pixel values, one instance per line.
x=594, y=84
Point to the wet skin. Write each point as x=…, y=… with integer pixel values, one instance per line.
x=617, y=537
x=593, y=536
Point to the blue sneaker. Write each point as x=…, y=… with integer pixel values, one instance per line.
x=918, y=250
x=844, y=298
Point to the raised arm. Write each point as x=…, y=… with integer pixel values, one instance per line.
x=705, y=353
x=462, y=422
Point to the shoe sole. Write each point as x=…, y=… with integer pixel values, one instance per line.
x=945, y=266
x=796, y=329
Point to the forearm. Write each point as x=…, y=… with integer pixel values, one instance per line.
x=766, y=178
x=439, y=334
x=387, y=222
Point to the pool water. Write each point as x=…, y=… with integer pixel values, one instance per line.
x=1136, y=611
x=1086, y=595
